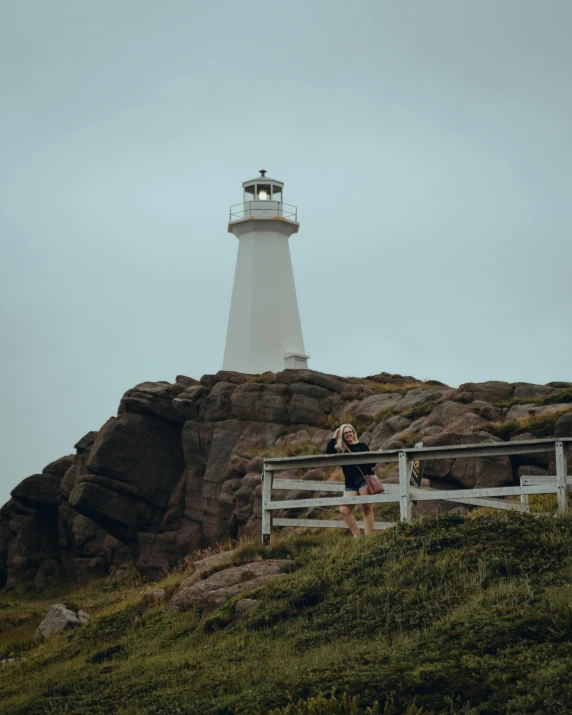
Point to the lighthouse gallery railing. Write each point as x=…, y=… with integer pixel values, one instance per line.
x=269, y=209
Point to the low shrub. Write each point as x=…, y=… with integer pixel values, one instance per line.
x=539, y=426
x=504, y=429
x=561, y=396
x=542, y=426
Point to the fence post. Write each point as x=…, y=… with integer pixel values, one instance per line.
x=266, y=498
x=404, y=487
x=561, y=477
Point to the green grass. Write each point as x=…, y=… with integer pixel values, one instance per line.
x=342, y=705
x=417, y=411
x=470, y=616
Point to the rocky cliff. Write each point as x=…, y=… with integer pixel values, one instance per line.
x=179, y=467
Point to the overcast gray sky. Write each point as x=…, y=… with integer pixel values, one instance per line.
x=426, y=143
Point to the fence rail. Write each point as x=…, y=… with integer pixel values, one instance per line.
x=403, y=493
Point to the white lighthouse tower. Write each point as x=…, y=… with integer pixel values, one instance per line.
x=264, y=331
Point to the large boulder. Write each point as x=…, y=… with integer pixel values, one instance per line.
x=303, y=409
x=230, y=438
x=482, y=472
x=493, y=391
x=215, y=590
x=40, y=491
x=78, y=466
x=186, y=403
x=529, y=470
x=217, y=405
x=525, y=390
x=538, y=459
x=261, y=401
x=114, y=512
x=555, y=409
x=321, y=379
x=519, y=412
x=465, y=473
x=446, y=412
x=466, y=423
x=59, y=619
x=377, y=404
x=245, y=400
x=384, y=431
x=140, y=451
x=563, y=426
x=158, y=553
x=32, y=537
x=274, y=403
x=236, y=378
x=152, y=398
x=87, y=550
x=420, y=396
x=60, y=466
x=86, y=441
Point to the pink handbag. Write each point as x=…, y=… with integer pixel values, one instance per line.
x=374, y=486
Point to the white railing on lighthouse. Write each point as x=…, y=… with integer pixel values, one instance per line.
x=262, y=209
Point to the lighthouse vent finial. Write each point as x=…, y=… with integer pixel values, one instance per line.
x=262, y=172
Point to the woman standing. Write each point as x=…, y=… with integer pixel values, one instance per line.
x=345, y=440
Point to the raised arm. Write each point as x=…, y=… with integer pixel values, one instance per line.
x=331, y=447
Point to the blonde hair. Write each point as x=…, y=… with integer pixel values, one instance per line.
x=341, y=445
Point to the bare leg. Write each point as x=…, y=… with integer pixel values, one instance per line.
x=367, y=513
x=348, y=517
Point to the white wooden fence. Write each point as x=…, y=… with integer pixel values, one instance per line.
x=403, y=493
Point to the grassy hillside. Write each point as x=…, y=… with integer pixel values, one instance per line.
x=451, y=615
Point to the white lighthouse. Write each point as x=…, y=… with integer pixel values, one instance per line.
x=264, y=331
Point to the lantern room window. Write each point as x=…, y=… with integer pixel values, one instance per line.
x=263, y=192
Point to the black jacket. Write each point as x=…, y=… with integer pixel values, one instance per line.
x=352, y=475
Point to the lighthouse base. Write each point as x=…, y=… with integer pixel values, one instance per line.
x=296, y=361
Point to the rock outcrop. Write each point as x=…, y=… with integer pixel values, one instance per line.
x=217, y=589
x=179, y=466
x=59, y=619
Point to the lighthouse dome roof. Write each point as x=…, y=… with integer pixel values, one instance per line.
x=263, y=179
